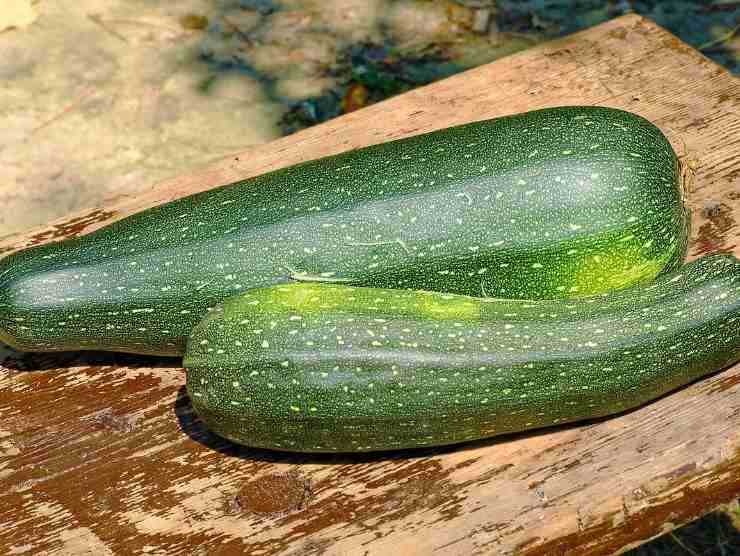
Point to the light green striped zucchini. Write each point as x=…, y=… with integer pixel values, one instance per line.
x=325, y=368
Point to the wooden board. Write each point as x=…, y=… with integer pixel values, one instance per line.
x=102, y=454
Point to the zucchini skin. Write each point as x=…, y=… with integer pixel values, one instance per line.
x=555, y=203
x=332, y=368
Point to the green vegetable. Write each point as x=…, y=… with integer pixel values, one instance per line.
x=555, y=203
x=325, y=368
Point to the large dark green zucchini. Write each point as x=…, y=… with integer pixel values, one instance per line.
x=323, y=368
x=555, y=203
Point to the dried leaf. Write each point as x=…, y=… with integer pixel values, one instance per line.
x=17, y=13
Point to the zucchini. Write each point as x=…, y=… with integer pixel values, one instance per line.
x=334, y=368
x=554, y=203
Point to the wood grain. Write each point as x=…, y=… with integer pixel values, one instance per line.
x=102, y=454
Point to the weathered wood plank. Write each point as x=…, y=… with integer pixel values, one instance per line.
x=101, y=453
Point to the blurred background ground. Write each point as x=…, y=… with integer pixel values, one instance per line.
x=99, y=99
x=105, y=98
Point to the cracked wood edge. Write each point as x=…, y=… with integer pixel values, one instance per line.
x=101, y=453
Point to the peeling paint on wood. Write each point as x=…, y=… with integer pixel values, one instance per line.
x=102, y=453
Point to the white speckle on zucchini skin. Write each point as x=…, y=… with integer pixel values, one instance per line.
x=424, y=368
x=419, y=213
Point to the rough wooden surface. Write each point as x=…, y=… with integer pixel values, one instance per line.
x=101, y=453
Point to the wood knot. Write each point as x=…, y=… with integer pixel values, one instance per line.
x=712, y=235
x=711, y=209
x=117, y=423
x=277, y=493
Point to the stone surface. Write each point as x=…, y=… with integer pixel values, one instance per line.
x=99, y=99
